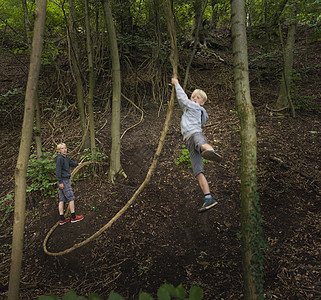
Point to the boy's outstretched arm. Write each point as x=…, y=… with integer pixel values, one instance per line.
x=180, y=94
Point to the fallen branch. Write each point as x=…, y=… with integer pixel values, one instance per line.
x=288, y=167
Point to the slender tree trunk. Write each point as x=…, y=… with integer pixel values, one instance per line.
x=74, y=50
x=91, y=82
x=115, y=166
x=157, y=62
x=278, y=12
x=248, y=139
x=168, y=9
x=154, y=19
x=214, y=4
x=24, y=151
x=198, y=25
x=284, y=100
x=197, y=5
x=26, y=21
x=37, y=130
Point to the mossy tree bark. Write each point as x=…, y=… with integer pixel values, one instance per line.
x=24, y=151
x=248, y=139
x=115, y=168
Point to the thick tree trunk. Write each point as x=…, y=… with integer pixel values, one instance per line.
x=115, y=166
x=24, y=151
x=248, y=139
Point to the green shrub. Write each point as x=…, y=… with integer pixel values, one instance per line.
x=183, y=159
x=165, y=292
x=41, y=174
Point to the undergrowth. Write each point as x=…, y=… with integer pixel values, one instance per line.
x=184, y=160
x=41, y=174
x=165, y=292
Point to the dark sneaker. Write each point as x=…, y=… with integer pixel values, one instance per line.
x=77, y=219
x=62, y=222
x=212, y=155
x=208, y=203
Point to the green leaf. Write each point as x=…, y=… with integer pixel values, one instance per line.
x=94, y=297
x=115, y=296
x=145, y=296
x=70, y=296
x=165, y=291
x=195, y=293
x=179, y=292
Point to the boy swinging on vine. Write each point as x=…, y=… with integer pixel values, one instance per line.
x=194, y=116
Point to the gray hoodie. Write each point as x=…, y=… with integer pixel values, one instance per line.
x=62, y=167
x=194, y=115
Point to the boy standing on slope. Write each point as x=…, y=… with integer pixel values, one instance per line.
x=194, y=116
x=63, y=162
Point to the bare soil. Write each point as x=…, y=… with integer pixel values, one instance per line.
x=161, y=237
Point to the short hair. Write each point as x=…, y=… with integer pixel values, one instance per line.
x=201, y=93
x=59, y=146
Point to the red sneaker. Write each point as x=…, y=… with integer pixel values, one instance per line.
x=62, y=222
x=77, y=219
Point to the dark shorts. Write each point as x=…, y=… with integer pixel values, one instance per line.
x=66, y=194
x=194, y=144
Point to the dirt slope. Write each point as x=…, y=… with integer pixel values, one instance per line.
x=161, y=237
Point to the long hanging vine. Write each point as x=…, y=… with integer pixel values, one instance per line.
x=174, y=62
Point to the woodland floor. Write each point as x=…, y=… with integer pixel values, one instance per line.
x=161, y=237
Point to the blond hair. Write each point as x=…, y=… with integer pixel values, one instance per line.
x=59, y=146
x=201, y=93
